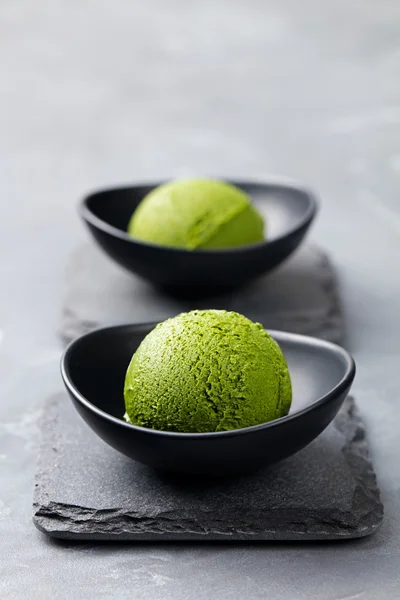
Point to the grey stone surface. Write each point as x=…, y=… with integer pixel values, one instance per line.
x=96, y=94
x=300, y=297
x=85, y=490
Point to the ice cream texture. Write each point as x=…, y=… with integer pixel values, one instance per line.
x=205, y=371
x=197, y=213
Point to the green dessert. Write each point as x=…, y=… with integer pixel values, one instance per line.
x=197, y=213
x=207, y=370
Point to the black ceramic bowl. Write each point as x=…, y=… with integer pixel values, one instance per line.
x=289, y=210
x=93, y=369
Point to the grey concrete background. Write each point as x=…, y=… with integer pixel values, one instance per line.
x=98, y=93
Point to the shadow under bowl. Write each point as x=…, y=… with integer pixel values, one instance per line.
x=93, y=369
x=288, y=208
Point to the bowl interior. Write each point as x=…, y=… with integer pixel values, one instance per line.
x=283, y=206
x=96, y=365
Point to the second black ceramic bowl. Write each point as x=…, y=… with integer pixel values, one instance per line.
x=288, y=208
x=93, y=369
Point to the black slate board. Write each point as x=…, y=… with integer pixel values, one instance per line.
x=301, y=296
x=87, y=491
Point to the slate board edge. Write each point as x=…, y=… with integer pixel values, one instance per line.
x=70, y=522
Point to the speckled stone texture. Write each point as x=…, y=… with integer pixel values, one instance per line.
x=85, y=490
x=301, y=296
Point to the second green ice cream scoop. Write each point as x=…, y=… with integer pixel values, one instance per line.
x=197, y=213
x=204, y=371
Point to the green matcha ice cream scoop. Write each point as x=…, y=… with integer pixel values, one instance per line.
x=207, y=370
x=197, y=213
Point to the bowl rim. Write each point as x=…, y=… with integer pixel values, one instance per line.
x=285, y=183
x=344, y=383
